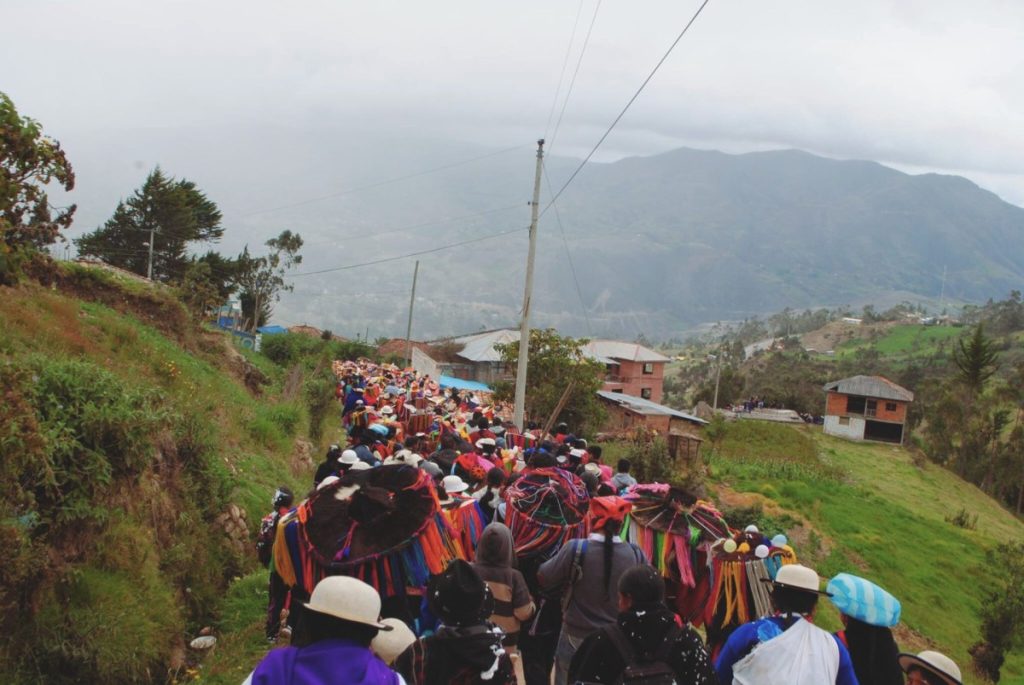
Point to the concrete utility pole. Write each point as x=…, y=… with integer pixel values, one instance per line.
x=718, y=376
x=524, y=326
x=149, y=270
x=408, y=329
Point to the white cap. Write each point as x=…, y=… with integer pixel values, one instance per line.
x=799, y=577
x=348, y=457
x=386, y=411
x=453, y=484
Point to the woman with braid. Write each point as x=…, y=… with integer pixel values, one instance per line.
x=588, y=571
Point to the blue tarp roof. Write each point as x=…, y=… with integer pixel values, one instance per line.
x=452, y=382
x=271, y=330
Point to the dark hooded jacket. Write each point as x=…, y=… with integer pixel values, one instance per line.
x=598, y=660
x=470, y=655
x=495, y=563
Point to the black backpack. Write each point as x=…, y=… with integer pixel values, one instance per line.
x=638, y=671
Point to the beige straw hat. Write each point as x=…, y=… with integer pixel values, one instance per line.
x=389, y=645
x=349, y=599
x=932, y=662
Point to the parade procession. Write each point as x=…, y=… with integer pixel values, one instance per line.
x=444, y=544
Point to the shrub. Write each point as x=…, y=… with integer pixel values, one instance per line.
x=963, y=519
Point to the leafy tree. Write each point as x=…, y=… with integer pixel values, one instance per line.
x=29, y=161
x=976, y=360
x=262, y=278
x=555, y=363
x=198, y=289
x=1002, y=619
x=177, y=212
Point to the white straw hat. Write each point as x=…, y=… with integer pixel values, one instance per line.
x=389, y=645
x=798, y=577
x=933, y=662
x=348, y=457
x=453, y=484
x=349, y=599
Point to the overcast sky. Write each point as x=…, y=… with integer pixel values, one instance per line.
x=919, y=84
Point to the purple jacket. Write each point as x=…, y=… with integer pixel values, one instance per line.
x=323, y=663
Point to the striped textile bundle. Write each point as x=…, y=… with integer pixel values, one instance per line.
x=467, y=520
x=864, y=601
x=544, y=509
x=662, y=548
x=392, y=551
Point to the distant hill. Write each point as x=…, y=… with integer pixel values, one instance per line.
x=659, y=243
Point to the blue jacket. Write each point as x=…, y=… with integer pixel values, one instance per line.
x=749, y=635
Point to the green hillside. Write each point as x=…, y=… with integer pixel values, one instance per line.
x=127, y=434
x=876, y=511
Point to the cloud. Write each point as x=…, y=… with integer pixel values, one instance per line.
x=930, y=85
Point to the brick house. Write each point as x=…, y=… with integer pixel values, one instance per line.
x=630, y=369
x=866, y=408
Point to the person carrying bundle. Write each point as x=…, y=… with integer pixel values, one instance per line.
x=787, y=647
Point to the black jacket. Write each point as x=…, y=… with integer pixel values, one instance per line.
x=598, y=660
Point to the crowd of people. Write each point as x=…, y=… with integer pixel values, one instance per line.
x=567, y=599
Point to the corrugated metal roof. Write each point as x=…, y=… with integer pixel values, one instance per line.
x=646, y=407
x=631, y=352
x=480, y=347
x=870, y=386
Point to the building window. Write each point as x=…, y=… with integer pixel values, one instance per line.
x=648, y=368
x=872, y=408
x=618, y=390
x=855, y=405
x=844, y=420
x=890, y=406
x=645, y=393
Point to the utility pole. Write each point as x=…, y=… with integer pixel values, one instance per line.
x=408, y=329
x=524, y=326
x=149, y=270
x=718, y=377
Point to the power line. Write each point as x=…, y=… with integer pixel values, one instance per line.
x=378, y=184
x=438, y=222
x=629, y=104
x=410, y=254
x=572, y=82
x=565, y=63
x=568, y=254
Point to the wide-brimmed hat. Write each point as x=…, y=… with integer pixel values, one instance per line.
x=348, y=457
x=386, y=411
x=453, y=484
x=485, y=442
x=389, y=645
x=932, y=662
x=349, y=599
x=459, y=596
x=592, y=468
x=798, y=577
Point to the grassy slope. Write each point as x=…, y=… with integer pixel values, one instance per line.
x=880, y=515
x=252, y=436
x=904, y=341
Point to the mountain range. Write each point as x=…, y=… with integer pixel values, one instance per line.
x=658, y=244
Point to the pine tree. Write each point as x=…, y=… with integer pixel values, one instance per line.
x=177, y=212
x=976, y=360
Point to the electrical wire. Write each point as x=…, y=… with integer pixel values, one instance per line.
x=565, y=63
x=384, y=182
x=625, y=109
x=568, y=255
x=575, y=73
x=410, y=254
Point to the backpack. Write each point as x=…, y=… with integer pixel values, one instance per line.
x=265, y=539
x=638, y=671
